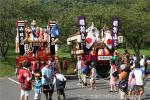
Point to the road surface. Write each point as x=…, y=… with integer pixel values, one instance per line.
x=9, y=90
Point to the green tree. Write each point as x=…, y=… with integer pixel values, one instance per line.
x=135, y=24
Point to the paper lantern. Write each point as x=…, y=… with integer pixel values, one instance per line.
x=100, y=52
x=106, y=51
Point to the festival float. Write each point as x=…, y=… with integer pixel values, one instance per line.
x=95, y=45
x=36, y=44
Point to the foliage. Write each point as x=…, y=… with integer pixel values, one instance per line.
x=4, y=45
x=134, y=16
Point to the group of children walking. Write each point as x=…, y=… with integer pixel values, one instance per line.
x=83, y=68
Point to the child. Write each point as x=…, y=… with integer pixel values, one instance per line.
x=85, y=73
x=131, y=82
x=112, y=78
x=93, y=75
x=38, y=85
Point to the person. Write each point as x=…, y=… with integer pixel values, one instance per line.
x=146, y=63
x=85, y=73
x=139, y=80
x=24, y=78
x=113, y=79
x=123, y=76
x=93, y=75
x=131, y=82
x=79, y=66
x=47, y=80
x=38, y=85
x=52, y=66
x=60, y=82
x=134, y=60
x=142, y=63
x=64, y=65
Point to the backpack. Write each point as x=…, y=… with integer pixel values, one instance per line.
x=123, y=84
x=60, y=84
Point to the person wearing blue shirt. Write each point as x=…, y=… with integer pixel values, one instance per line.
x=47, y=80
x=38, y=85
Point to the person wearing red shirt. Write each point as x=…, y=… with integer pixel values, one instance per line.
x=24, y=78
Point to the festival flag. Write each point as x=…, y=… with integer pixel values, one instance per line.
x=55, y=31
x=90, y=39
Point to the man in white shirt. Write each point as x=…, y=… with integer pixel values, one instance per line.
x=139, y=75
x=79, y=66
x=142, y=63
x=60, y=82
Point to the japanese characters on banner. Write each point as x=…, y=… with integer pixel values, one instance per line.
x=81, y=22
x=114, y=32
x=21, y=35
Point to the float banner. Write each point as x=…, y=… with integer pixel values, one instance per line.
x=114, y=32
x=53, y=30
x=21, y=34
x=82, y=29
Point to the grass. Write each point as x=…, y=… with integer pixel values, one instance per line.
x=8, y=68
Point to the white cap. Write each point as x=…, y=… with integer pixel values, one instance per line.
x=123, y=66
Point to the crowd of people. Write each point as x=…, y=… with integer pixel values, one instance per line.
x=42, y=81
x=126, y=76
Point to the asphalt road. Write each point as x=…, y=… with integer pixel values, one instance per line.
x=9, y=90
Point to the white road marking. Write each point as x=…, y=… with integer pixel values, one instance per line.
x=13, y=80
x=19, y=83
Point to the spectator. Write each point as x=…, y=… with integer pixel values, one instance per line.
x=85, y=71
x=131, y=82
x=60, y=82
x=134, y=60
x=93, y=75
x=113, y=78
x=38, y=86
x=142, y=62
x=24, y=78
x=64, y=65
x=47, y=80
x=123, y=84
x=79, y=66
x=52, y=65
x=139, y=80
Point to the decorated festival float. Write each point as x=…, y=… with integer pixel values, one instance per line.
x=36, y=44
x=95, y=45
